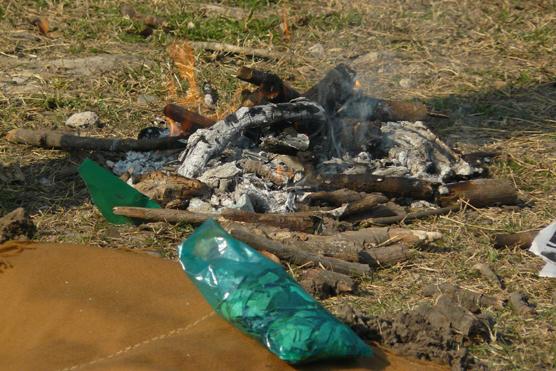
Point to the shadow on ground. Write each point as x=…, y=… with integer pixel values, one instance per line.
x=495, y=115
x=48, y=185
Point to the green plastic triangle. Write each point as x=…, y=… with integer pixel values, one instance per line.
x=108, y=191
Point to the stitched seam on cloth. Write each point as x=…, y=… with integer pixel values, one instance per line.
x=129, y=348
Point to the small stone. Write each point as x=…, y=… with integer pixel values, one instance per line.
x=406, y=83
x=83, y=120
x=317, y=50
x=367, y=58
x=190, y=25
x=198, y=205
x=17, y=80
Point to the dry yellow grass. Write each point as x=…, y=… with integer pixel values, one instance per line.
x=489, y=66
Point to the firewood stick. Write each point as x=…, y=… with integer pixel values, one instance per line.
x=60, y=140
x=386, y=220
x=334, y=89
x=334, y=198
x=356, y=246
x=387, y=256
x=294, y=255
x=271, y=86
x=301, y=223
x=205, y=144
x=390, y=186
x=234, y=49
x=185, y=117
x=481, y=192
x=519, y=303
x=365, y=204
x=521, y=240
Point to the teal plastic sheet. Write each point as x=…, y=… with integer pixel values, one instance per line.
x=260, y=298
x=108, y=191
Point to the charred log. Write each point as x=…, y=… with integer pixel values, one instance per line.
x=204, y=144
x=481, y=193
x=270, y=85
x=185, y=121
x=334, y=89
x=390, y=186
x=522, y=240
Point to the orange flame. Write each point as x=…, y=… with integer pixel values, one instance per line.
x=184, y=60
x=284, y=26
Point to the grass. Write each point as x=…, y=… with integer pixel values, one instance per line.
x=487, y=65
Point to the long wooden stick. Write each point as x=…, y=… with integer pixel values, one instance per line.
x=481, y=192
x=293, y=255
x=390, y=186
x=387, y=220
x=292, y=221
x=228, y=48
x=60, y=140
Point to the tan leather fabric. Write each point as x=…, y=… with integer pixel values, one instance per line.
x=77, y=307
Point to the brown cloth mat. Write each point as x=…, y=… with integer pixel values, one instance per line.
x=70, y=307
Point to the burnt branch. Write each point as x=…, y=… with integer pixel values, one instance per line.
x=390, y=186
x=481, y=193
x=185, y=121
x=60, y=140
x=205, y=144
x=295, y=255
x=270, y=85
x=295, y=222
x=334, y=89
x=522, y=240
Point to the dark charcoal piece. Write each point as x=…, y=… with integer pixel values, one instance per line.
x=151, y=132
x=334, y=89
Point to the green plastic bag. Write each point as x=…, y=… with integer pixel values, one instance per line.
x=108, y=191
x=260, y=298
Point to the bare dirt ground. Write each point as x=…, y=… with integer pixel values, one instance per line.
x=489, y=67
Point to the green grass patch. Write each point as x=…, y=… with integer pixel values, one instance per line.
x=335, y=21
x=223, y=29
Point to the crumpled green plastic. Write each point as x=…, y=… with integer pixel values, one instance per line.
x=108, y=191
x=260, y=298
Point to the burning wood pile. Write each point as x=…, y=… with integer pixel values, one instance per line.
x=313, y=178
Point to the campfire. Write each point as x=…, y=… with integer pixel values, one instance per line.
x=316, y=174
x=315, y=179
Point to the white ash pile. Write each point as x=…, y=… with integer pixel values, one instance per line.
x=282, y=146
